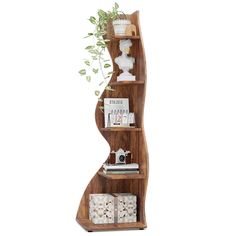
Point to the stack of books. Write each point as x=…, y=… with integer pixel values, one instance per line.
x=132, y=168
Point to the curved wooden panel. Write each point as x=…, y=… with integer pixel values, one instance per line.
x=127, y=138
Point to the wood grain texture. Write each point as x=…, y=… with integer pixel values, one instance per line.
x=89, y=226
x=132, y=139
x=126, y=83
x=121, y=129
x=121, y=176
x=115, y=37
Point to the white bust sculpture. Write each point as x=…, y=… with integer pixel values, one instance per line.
x=125, y=62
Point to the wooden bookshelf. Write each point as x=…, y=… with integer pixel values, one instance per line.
x=128, y=138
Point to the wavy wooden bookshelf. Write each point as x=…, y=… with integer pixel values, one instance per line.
x=129, y=138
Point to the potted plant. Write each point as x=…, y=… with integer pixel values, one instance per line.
x=120, y=26
x=96, y=61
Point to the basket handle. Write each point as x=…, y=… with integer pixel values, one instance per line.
x=122, y=13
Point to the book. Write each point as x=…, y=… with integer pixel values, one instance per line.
x=132, y=166
x=124, y=172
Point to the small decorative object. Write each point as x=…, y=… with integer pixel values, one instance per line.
x=120, y=26
x=125, y=62
x=121, y=156
x=120, y=162
x=112, y=208
x=125, y=205
x=101, y=208
x=131, y=119
x=130, y=30
x=116, y=112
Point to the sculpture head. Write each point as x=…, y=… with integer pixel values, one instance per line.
x=124, y=61
x=125, y=45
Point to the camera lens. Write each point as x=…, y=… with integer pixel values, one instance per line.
x=121, y=158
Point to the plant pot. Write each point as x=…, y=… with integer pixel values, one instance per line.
x=120, y=26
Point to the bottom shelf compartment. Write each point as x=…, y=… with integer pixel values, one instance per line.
x=89, y=226
x=117, y=192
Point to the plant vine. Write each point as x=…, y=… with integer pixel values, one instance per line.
x=96, y=61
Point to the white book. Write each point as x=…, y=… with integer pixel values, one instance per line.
x=132, y=166
x=120, y=172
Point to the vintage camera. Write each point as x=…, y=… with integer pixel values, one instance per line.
x=121, y=157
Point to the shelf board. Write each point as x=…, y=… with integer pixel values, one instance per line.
x=116, y=37
x=120, y=129
x=121, y=176
x=89, y=226
x=137, y=82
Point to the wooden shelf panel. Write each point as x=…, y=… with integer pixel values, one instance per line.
x=120, y=129
x=122, y=176
x=89, y=226
x=137, y=82
x=116, y=37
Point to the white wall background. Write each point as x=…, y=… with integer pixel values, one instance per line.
x=49, y=144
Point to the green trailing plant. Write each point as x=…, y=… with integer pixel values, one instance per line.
x=96, y=60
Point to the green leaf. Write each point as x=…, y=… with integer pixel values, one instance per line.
x=94, y=51
x=89, y=34
x=87, y=62
x=89, y=47
x=99, y=43
x=101, y=83
x=101, y=13
x=107, y=65
x=109, y=88
x=97, y=92
x=95, y=71
x=94, y=58
x=88, y=78
x=92, y=19
x=99, y=34
x=107, y=77
x=101, y=108
x=116, y=5
x=82, y=72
